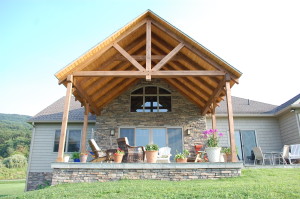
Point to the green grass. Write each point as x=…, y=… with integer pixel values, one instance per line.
x=13, y=173
x=254, y=183
x=8, y=188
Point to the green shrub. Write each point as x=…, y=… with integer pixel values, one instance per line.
x=1, y=164
x=15, y=161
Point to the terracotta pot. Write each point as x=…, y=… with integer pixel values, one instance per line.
x=213, y=153
x=83, y=158
x=179, y=160
x=151, y=156
x=118, y=158
x=228, y=157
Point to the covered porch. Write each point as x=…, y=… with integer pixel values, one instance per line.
x=147, y=50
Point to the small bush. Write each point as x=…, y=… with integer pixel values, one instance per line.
x=15, y=161
x=1, y=164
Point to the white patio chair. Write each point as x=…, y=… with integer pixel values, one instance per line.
x=164, y=155
x=283, y=155
x=295, y=153
x=260, y=156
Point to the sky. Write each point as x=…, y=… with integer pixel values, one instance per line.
x=38, y=38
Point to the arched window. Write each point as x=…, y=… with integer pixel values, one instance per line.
x=150, y=99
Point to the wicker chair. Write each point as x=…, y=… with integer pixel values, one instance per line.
x=132, y=153
x=98, y=154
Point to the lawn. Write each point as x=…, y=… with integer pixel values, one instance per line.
x=11, y=187
x=254, y=183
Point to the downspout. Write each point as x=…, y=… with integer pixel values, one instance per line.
x=30, y=155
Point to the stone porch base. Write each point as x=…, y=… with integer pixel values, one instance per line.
x=102, y=172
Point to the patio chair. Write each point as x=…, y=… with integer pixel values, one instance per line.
x=164, y=155
x=281, y=157
x=98, y=154
x=260, y=156
x=295, y=153
x=132, y=153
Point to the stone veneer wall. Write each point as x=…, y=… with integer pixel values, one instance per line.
x=38, y=179
x=117, y=114
x=76, y=175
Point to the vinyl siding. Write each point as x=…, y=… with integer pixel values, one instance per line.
x=267, y=130
x=289, y=128
x=42, y=154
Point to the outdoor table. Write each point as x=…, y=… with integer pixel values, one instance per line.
x=273, y=154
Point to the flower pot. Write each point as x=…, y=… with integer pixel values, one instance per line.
x=222, y=157
x=213, y=154
x=76, y=160
x=181, y=160
x=151, y=156
x=66, y=158
x=83, y=158
x=118, y=158
x=227, y=157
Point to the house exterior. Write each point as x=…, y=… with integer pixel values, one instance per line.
x=153, y=84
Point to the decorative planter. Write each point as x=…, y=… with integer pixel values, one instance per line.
x=180, y=160
x=66, y=158
x=213, y=154
x=83, y=158
x=227, y=157
x=151, y=156
x=76, y=160
x=118, y=158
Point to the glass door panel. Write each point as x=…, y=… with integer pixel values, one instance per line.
x=142, y=137
x=159, y=137
x=248, y=142
x=238, y=144
x=175, y=141
x=129, y=133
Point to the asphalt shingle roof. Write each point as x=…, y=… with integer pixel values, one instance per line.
x=54, y=112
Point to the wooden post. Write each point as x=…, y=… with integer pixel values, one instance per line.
x=213, y=118
x=84, y=129
x=230, y=120
x=148, y=50
x=64, y=125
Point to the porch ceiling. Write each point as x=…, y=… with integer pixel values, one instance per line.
x=148, y=47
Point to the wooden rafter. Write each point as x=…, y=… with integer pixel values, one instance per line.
x=128, y=57
x=143, y=57
x=168, y=57
x=148, y=45
x=215, y=94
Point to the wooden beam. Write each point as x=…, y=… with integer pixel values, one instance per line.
x=141, y=74
x=95, y=56
x=193, y=49
x=168, y=57
x=85, y=96
x=85, y=128
x=143, y=57
x=213, y=116
x=230, y=122
x=215, y=94
x=128, y=57
x=148, y=46
x=64, y=125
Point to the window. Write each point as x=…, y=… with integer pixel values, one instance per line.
x=72, y=143
x=171, y=137
x=150, y=99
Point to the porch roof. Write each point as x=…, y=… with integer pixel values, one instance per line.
x=148, y=47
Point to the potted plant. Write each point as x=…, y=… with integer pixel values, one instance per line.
x=182, y=157
x=66, y=158
x=83, y=156
x=118, y=155
x=212, y=149
x=151, y=153
x=226, y=153
x=75, y=156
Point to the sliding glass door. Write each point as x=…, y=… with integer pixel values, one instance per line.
x=245, y=141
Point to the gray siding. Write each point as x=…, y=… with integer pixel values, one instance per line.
x=267, y=130
x=289, y=128
x=42, y=154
